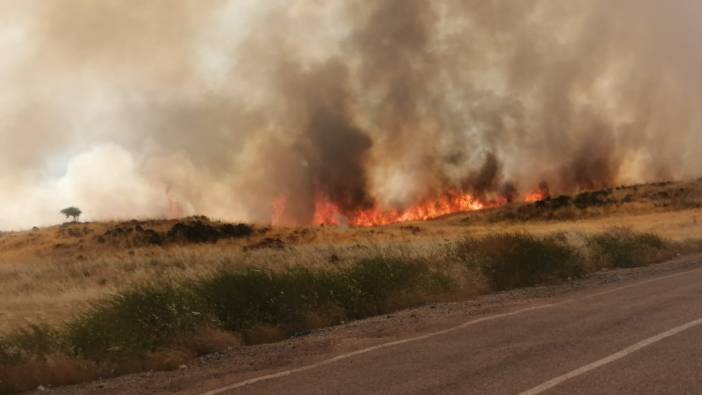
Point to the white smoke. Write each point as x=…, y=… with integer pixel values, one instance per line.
x=217, y=107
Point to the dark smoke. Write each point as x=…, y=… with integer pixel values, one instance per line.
x=486, y=179
x=220, y=107
x=332, y=148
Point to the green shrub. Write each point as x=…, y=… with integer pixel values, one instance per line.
x=135, y=322
x=35, y=342
x=513, y=260
x=366, y=288
x=621, y=247
x=248, y=297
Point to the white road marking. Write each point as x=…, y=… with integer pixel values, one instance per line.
x=430, y=335
x=372, y=348
x=604, y=361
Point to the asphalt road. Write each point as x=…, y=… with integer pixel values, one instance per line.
x=638, y=338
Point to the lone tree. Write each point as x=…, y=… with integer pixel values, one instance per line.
x=72, y=212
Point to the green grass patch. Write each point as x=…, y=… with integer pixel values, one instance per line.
x=34, y=343
x=248, y=298
x=513, y=260
x=624, y=248
x=375, y=286
x=135, y=322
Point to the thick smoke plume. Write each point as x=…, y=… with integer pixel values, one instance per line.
x=231, y=108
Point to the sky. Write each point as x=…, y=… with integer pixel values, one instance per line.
x=166, y=108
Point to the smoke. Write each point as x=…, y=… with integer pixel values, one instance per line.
x=216, y=107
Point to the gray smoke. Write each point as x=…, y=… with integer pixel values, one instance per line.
x=175, y=107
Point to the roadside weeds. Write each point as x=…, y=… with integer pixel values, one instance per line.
x=162, y=326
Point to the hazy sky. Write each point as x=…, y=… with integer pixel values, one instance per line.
x=174, y=107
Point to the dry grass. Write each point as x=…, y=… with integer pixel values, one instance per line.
x=165, y=324
x=674, y=225
x=51, y=274
x=53, y=289
x=59, y=371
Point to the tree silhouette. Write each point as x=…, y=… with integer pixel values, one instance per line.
x=72, y=212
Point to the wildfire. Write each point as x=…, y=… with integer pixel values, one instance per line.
x=327, y=213
x=543, y=193
x=534, y=197
x=173, y=208
x=278, y=210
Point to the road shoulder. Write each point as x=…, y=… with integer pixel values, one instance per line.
x=242, y=363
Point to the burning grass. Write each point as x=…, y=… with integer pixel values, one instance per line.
x=451, y=202
x=162, y=325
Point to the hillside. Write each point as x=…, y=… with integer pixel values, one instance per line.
x=55, y=271
x=53, y=275
x=636, y=205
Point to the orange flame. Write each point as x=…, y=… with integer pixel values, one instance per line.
x=173, y=208
x=328, y=213
x=278, y=209
x=535, y=197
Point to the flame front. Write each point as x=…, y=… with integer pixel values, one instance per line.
x=535, y=197
x=328, y=213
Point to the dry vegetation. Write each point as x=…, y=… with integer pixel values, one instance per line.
x=59, y=282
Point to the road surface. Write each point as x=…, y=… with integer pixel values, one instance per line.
x=636, y=331
x=638, y=338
